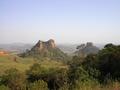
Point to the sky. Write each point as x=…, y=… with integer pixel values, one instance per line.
x=65, y=21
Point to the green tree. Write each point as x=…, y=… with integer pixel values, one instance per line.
x=78, y=73
x=109, y=61
x=90, y=64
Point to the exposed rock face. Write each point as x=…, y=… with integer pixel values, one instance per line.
x=45, y=49
x=85, y=49
x=41, y=45
x=51, y=43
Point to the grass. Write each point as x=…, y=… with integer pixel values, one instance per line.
x=7, y=62
x=111, y=86
x=52, y=64
x=23, y=64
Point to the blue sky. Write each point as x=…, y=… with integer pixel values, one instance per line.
x=66, y=21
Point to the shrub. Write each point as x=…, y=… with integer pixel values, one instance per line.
x=38, y=85
x=35, y=73
x=55, y=77
x=14, y=79
x=3, y=87
x=87, y=85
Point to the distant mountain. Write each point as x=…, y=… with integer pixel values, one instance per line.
x=22, y=47
x=85, y=49
x=15, y=47
x=44, y=49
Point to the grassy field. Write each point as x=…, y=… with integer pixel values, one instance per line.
x=23, y=64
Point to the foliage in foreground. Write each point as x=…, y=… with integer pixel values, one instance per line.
x=94, y=72
x=38, y=85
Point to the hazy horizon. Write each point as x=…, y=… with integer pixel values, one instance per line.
x=65, y=21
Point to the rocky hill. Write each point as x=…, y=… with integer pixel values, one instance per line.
x=45, y=49
x=85, y=49
x=44, y=46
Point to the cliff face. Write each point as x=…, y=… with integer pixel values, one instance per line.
x=41, y=45
x=45, y=49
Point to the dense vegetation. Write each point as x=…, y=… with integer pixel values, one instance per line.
x=94, y=72
x=55, y=53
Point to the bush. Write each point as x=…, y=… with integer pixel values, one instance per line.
x=14, y=79
x=78, y=74
x=86, y=85
x=55, y=78
x=3, y=87
x=64, y=87
x=38, y=85
x=35, y=73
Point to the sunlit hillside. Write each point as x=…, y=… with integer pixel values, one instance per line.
x=23, y=64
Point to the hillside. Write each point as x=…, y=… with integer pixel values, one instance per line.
x=86, y=49
x=44, y=49
x=23, y=64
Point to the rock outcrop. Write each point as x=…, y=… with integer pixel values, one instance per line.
x=85, y=49
x=44, y=49
x=41, y=45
